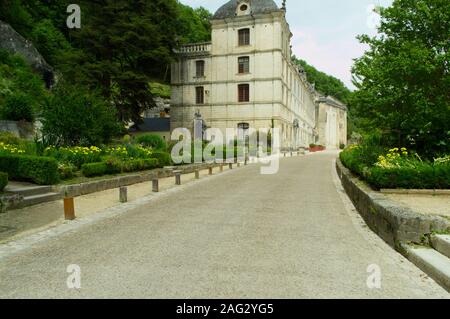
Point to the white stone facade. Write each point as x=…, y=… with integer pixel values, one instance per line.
x=279, y=95
x=331, y=123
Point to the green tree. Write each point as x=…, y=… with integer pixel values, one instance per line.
x=74, y=115
x=403, y=80
x=122, y=46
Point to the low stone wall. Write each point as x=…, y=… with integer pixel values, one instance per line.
x=394, y=223
x=76, y=190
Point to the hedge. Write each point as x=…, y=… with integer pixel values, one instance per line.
x=116, y=167
x=3, y=181
x=94, y=169
x=40, y=170
x=423, y=176
x=163, y=158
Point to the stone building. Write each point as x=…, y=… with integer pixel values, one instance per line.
x=331, y=122
x=245, y=78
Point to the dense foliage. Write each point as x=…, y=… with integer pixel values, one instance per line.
x=75, y=116
x=122, y=46
x=403, y=80
x=396, y=167
x=22, y=92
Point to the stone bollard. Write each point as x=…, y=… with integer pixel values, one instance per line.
x=177, y=177
x=123, y=194
x=221, y=168
x=292, y=154
x=284, y=154
x=197, y=174
x=238, y=164
x=155, y=185
x=69, y=208
x=210, y=170
x=230, y=165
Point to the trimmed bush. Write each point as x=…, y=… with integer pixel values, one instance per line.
x=40, y=170
x=115, y=166
x=94, y=169
x=151, y=140
x=3, y=181
x=164, y=158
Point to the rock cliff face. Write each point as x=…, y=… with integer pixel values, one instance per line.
x=13, y=42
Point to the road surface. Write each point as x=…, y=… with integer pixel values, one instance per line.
x=236, y=235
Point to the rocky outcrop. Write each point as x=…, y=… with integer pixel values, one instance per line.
x=13, y=42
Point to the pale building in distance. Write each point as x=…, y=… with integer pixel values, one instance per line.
x=245, y=78
x=331, y=122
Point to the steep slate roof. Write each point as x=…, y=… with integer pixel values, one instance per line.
x=228, y=10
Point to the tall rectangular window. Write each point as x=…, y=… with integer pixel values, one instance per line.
x=200, y=69
x=244, y=64
x=244, y=37
x=244, y=92
x=199, y=95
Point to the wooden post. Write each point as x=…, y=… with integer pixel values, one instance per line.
x=69, y=208
x=197, y=174
x=177, y=178
x=123, y=194
x=155, y=185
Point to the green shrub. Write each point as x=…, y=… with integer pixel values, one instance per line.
x=67, y=170
x=9, y=138
x=164, y=158
x=151, y=140
x=18, y=107
x=3, y=181
x=75, y=116
x=40, y=170
x=342, y=146
x=94, y=169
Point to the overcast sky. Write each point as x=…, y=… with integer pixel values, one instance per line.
x=324, y=30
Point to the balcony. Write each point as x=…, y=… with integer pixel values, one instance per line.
x=195, y=49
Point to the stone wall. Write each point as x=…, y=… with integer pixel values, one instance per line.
x=394, y=223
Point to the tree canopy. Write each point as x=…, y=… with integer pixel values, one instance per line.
x=403, y=80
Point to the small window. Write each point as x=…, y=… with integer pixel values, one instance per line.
x=244, y=37
x=244, y=65
x=244, y=7
x=244, y=93
x=200, y=69
x=199, y=95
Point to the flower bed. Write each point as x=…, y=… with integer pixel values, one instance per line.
x=397, y=168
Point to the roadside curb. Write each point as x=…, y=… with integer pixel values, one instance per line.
x=394, y=223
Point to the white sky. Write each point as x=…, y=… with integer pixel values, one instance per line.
x=324, y=30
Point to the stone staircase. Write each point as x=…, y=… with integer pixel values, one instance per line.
x=434, y=260
x=32, y=194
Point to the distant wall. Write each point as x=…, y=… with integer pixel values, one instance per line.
x=24, y=130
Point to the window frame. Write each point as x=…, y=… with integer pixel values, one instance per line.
x=199, y=95
x=245, y=65
x=244, y=37
x=243, y=93
x=200, y=65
